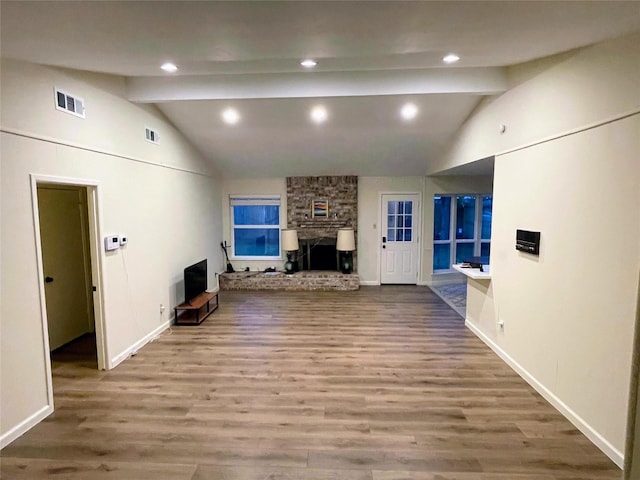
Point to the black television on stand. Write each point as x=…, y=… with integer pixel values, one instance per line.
x=195, y=280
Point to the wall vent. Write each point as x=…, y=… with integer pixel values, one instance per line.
x=69, y=103
x=151, y=135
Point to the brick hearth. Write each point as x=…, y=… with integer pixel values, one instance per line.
x=300, y=281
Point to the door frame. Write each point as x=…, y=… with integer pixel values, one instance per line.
x=419, y=232
x=632, y=446
x=95, y=220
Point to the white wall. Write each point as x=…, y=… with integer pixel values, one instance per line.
x=369, y=236
x=551, y=96
x=163, y=197
x=112, y=123
x=253, y=186
x=569, y=313
x=569, y=316
x=446, y=185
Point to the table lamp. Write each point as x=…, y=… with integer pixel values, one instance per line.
x=290, y=245
x=346, y=244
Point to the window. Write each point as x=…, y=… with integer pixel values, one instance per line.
x=399, y=221
x=461, y=228
x=256, y=227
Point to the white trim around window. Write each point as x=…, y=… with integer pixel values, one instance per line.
x=254, y=200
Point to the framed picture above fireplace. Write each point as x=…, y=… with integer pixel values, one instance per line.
x=320, y=209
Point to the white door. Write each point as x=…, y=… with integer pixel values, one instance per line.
x=400, y=238
x=66, y=262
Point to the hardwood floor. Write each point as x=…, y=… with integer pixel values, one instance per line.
x=384, y=383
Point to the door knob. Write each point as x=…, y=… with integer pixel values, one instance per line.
x=384, y=246
x=48, y=279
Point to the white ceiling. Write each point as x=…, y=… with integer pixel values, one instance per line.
x=372, y=57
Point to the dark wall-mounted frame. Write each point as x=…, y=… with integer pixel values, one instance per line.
x=528, y=241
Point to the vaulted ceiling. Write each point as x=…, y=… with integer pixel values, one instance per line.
x=373, y=57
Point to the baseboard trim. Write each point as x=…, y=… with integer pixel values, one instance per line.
x=25, y=425
x=598, y=440
x=121, y=357
x=369, y=283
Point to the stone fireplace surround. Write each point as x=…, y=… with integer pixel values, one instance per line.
x=341, y=192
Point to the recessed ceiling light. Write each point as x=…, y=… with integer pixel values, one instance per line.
x=169, y=67
x=231, y=116
x=308, y=63
x=409, y=111
x=451, y=58
x=319, y=114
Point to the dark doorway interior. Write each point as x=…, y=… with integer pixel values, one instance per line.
x=80, y=352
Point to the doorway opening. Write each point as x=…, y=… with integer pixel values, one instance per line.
x=66, y=222
x=66, y=263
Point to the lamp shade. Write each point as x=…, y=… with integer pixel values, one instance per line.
x=290, y=240
x=346, y=240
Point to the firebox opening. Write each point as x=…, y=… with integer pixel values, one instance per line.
x=319, y=254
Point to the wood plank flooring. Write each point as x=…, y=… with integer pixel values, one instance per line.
x=384, y=383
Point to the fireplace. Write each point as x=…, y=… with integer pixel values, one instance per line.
x=318, y=254
x=317, y=233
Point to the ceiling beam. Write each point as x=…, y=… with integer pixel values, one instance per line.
x=481, y=81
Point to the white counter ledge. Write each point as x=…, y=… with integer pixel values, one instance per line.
x=473, y=273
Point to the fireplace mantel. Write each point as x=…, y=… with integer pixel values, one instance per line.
x=330, y=224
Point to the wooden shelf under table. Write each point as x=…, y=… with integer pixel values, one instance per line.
x=197, y=309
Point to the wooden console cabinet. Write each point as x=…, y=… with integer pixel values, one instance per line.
x=197, y=309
